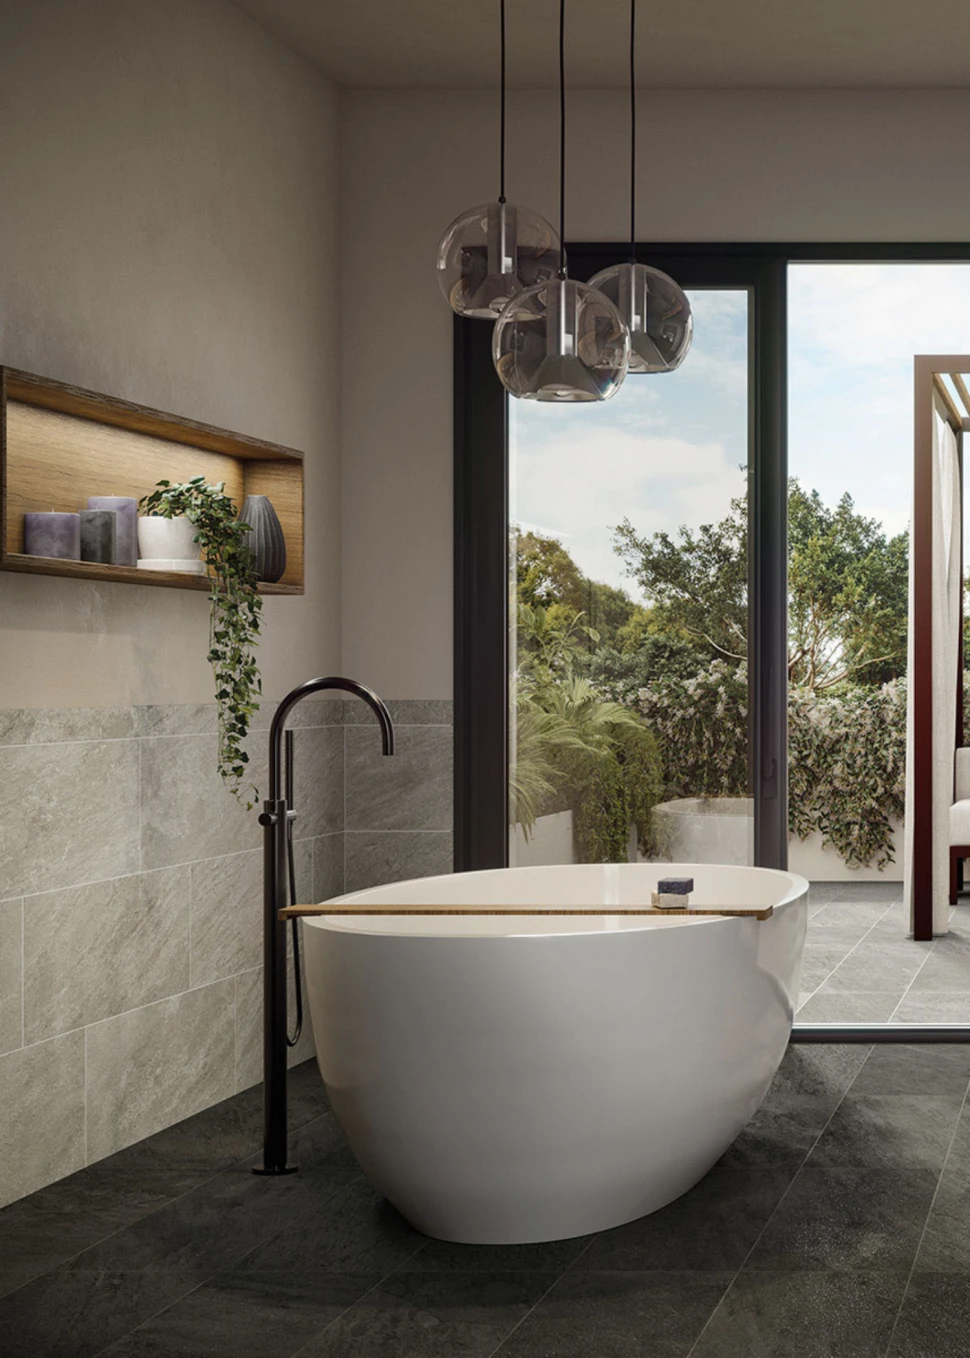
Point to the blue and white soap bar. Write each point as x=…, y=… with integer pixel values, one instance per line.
x=673, y=893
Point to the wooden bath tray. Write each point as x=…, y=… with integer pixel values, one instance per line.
x=294, y=911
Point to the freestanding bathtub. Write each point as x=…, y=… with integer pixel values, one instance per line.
x=518, y=1079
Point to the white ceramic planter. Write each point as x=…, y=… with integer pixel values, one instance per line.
x=166, y=544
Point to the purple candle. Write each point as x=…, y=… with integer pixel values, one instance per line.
x=126, y=529
x=53, y=535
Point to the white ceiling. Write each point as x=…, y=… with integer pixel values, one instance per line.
x=682, y=43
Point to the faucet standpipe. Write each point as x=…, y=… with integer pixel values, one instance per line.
x=275, y=818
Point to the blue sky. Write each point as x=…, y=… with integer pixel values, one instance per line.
x=667, y=450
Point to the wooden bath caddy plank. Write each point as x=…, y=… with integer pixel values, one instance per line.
x=294, y=911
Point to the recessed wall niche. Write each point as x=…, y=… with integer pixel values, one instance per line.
x=60, y=444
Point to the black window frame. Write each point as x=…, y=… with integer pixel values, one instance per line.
x=481, y=529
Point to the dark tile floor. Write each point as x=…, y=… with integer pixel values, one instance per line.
x=836, y=1226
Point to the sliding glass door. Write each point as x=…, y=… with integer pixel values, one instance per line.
x=620, y=670
x=629, y=612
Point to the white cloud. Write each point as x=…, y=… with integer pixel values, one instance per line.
x=579, y=486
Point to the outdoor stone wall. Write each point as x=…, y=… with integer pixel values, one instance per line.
x=130, y=905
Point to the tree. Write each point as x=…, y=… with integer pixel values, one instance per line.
x=697, y=583
x=547, y=577
x=847, y=589
x=546, y=573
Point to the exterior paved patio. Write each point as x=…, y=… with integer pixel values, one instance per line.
x=860, y=966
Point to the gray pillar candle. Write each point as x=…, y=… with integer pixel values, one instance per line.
x=126, y=528
x=53, y=535
x=98, y=535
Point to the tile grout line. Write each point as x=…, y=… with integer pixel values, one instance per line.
x=23, y=974
x=926, y=957
x=554, y=1284
x=775, y=1210
x=926, y=1224
x=847, y=955
x=363, y=1296
x=136, y=1009
x=160, y=1207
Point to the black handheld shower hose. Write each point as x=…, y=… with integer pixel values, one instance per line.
x=291, y=874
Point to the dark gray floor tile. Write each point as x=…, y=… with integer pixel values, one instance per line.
x=915, y=1069
x=945, y=1247
x=433, y=1315
x=618, y=1315
x=76, y=1314
x=849, y=1219
x=245, y=1316
x=50, y=1227
x=782, y=1132
x=889, y=1131
x=553, y=1256
x=935, y=1319
x=817, y=1070
x=359, y=1232
x=211, y=1228
x=804, y=1315
x=710, y=1228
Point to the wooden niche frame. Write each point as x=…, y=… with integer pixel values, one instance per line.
x=59, y=444
x=931, y=395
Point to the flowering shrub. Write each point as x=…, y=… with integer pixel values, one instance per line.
x=701, y=727
x=847, y=754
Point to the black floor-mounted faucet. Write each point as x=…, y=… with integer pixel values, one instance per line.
x=275, y=819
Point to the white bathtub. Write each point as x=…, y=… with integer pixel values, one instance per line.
x=508, y=1080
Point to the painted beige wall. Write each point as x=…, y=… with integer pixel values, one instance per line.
x=716, y=165
x=168, y=234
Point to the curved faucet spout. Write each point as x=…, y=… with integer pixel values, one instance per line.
x=302, y=691
x=276, y=821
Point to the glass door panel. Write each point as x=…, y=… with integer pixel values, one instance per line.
x=853, y=331
x=629, y=602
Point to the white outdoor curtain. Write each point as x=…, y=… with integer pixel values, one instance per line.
x=946, y=657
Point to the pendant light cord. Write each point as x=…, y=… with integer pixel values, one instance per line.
x=562, y=138
x=501, y=158
x=633, y=133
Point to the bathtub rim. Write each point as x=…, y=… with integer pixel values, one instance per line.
x=377, y=926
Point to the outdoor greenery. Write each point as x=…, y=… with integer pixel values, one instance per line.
x=678, y=665
x=575, y=749
x=847, y=589
x=234, y=614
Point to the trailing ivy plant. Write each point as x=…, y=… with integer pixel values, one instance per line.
x=234, y=609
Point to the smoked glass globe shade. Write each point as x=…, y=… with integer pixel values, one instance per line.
x=560, y=341
x=490, y=253
x=656, y=312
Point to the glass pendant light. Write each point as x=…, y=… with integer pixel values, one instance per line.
x=560, y=340
x=654, y=308
x=491, y=252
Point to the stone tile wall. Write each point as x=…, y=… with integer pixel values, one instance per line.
x=130, y=906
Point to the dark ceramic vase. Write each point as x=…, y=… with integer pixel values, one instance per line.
x=266, y=541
